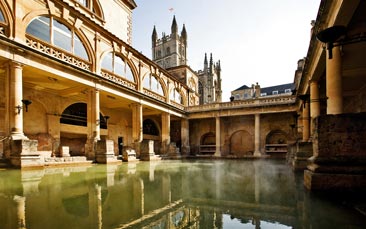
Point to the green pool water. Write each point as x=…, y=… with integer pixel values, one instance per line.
x=171, y=194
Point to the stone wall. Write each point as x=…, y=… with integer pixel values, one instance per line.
x=340, y=137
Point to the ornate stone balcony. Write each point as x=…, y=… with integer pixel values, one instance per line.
x=249, y=103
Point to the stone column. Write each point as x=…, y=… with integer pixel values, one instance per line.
x=305, y=122
x=218, y=138
x=185, y=136
x=257, y=135
x=314, y=101
x=334, y=83
x=15, y=95
x=137, y=132
x=95, y=110
x=165, y=129
x=93, y=123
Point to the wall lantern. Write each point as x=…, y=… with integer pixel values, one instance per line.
x=337, y=36
x=26, y=103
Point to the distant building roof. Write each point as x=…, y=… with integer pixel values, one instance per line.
x=242, y=88
x=279, y=88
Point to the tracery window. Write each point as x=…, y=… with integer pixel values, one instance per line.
x=52, y=31
x=153, y=84
x=118, y=66
x=175, y=96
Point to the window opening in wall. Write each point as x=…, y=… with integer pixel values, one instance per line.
x=52, y=31
x=175, y=96
x=152, y=84
x=275, y=93
x=150, y=128
x=118, y=66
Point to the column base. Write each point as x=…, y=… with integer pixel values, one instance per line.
x=23, y=154
x=257, y=154
x=105, y=152
x=334, y=181
x=303, y=151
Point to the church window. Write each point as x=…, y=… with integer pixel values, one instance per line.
x=152, y=84
x=52, y=31
x=118, y=66
x=175, y=96
x=168, y=50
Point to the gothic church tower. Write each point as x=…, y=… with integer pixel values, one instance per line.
x=170, y=50
x=210, y=82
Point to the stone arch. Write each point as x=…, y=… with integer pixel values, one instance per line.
x=159, y=80
x=208, y=139
x=150, y=127
x=241, y=143
x=129, y=63
x=276, y=137
x=80, y=34
x=77, y=114
x=8, y=18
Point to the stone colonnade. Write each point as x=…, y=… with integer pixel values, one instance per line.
x=23, y=152
x=333, y=94
x=257, y=136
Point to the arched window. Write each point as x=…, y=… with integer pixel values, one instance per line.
x=153, y=84
x=118, y=66
x=2, y=23
x=76, y=114
x=150, y=128
x=92, y=5
x=175, y=96
x=52, y=31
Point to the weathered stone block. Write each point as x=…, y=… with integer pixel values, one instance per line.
x=339, y=160
x=105, y=152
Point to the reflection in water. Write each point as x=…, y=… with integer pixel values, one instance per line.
x=167, y=194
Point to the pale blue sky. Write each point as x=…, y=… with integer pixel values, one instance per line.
x=255, y=40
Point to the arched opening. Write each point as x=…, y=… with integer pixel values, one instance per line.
x=52, y=31
x=117, y=65
x=76, y=114
x=276, y=143
x=176, y=96
x=74, y=132
x=241, y=143
x=150, y=128
x=208, y=144
x=152, y=83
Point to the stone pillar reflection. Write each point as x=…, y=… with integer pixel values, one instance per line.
x=185, y=136
x=334, y=83
x=137, y=132
x=218, y=138
x=257, y=136
x=15, y=95
x=165, y=129
x=138, y=197
x=166, y=189
x=20, y=210
x=305, y=122
x=95, y=206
